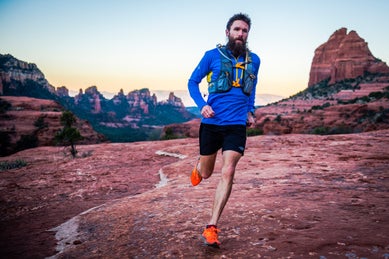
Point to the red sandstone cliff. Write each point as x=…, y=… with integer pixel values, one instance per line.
x=344, y=55
x=30, y=120
x=16, y=70
x=331, y=104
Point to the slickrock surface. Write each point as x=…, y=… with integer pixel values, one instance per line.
x=294, y=196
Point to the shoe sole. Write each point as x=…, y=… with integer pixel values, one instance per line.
x=214, y=245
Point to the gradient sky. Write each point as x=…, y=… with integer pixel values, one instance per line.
x=156, y=44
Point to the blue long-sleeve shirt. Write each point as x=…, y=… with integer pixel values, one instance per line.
x=230, y=107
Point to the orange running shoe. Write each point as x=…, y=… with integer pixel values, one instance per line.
x=195, y=177
x=210, y=236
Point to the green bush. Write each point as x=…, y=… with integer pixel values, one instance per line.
x=254, y=132
x=341, y=130
x=169, y=134
x=40, y=123
x=27, y=141
x=377, y=95
x=317, y=107
x=278, y=118
x=7, y=165
x=322, y=130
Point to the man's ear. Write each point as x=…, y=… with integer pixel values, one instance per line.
x=227, y=33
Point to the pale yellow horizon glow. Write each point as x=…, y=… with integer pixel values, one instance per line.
x=156, y=44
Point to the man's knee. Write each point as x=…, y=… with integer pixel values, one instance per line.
x=228, y=172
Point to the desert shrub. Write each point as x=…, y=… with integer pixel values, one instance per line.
x=7, y=165
x=341, y=130
x=254, y=132
x=363, y=99
x=4, y=106
x=322, y=130
x=40, y=123
x=169, y=134
x=377, y=95
x=316, y=107
x=27, y=141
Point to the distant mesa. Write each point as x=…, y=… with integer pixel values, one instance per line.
x=343, y=56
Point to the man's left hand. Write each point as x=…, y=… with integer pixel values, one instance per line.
x=250, y=120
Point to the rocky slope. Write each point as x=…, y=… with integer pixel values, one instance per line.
x=29, y=122
x=134, y=116
x=351, y=106
x=294, y=196
x=13, y=70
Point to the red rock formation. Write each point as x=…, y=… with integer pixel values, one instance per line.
x=350, y=110
x=94, y=98
x=62, y=91
x=181, y=130
x=343, y=56
x=174, y=100
x=18, y=70
x=21, y=118
x=141, y=99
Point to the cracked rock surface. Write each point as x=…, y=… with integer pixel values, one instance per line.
x=294, y=196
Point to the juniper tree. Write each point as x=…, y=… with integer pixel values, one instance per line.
x=68, y=135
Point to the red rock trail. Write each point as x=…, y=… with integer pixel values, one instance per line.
x=294, y=196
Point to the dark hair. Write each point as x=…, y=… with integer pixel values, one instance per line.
x=240, y=17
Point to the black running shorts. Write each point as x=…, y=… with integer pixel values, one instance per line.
x=213, y=137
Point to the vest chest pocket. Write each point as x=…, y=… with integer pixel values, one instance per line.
x=248, y=84
x=221, y=85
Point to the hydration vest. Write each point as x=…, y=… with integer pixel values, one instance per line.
x=225, y=81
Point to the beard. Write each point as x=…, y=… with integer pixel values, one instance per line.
x=237, y=48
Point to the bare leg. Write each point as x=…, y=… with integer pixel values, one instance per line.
x=223, y=190
x=206, y=165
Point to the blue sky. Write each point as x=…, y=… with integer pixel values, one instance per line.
x=156, y=44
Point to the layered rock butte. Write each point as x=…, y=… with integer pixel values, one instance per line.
x=338, y=99
x=344, y=55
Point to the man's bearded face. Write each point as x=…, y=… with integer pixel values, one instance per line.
x=237, y=46
x=237, y=37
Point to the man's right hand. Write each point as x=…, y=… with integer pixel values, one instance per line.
x=207, y=112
